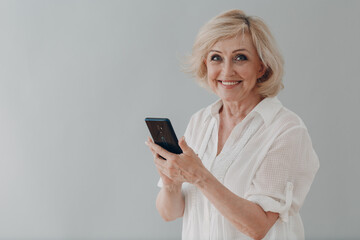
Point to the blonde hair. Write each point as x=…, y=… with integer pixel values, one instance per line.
x=228, y=25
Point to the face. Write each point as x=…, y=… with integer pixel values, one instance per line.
x=233, y=67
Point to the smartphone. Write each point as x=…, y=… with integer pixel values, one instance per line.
x=163, y=134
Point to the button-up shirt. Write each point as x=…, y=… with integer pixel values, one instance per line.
x=267, y=159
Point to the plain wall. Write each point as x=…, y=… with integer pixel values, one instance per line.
x=77, y=79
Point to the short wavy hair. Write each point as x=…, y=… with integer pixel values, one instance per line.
x=228, y=25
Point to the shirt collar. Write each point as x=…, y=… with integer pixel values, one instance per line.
x=267, y=109
x=215, y=108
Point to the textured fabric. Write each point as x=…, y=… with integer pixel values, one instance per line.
x=268, y=159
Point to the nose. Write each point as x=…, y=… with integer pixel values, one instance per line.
x=228, y=69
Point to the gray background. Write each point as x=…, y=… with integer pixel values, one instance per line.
x=77, y=79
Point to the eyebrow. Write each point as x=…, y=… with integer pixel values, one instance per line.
x=237, y=50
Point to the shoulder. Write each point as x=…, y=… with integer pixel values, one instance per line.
x=286, y=120
x=203, y=115
x=200, y=116
x=291, y=138
x=199, y=123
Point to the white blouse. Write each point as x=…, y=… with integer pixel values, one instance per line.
x=267, y=159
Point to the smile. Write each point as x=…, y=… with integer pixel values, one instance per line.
x=229, y=83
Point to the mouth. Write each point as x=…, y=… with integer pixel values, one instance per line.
x=229, y=83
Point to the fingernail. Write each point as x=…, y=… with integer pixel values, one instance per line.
x=146, y=143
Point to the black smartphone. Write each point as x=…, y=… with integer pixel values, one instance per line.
x=163, y=134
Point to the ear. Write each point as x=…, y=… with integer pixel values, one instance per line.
x=204, y=60
x=262, y=70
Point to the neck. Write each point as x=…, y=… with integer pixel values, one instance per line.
x=237, y=110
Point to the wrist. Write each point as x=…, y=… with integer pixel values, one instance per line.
x=173, y=187
x=203, y=179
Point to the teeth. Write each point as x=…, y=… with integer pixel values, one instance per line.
x=230, y=83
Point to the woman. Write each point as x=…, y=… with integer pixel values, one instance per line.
x=247, y=161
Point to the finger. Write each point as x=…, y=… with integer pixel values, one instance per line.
x=159, y=161
x=162, y=175
x=166, y=168
x=147, y=143
x=161, y=151
x=184, y=147
x=148, y=140
x=162, y=169
x=152, y=151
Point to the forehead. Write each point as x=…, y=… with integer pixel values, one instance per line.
x=240, y=41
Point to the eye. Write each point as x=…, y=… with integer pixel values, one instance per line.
x=215, y=57
x=240, y=57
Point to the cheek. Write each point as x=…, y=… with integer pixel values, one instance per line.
x=211, y=75
x=247, y=73
x=212, y=71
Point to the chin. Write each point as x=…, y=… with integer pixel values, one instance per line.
x=228, y=98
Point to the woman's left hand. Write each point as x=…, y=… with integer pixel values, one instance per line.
x=184, y=167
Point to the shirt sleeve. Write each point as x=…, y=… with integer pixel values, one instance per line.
x=285, y=175
x=187, y=136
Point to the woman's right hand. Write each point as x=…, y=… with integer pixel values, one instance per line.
x=167, y=182
x=170, y=201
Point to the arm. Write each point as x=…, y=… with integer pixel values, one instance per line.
x=170, y=202
x=246, y=216
x=291, y=158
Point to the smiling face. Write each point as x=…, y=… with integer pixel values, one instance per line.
x=233, y=67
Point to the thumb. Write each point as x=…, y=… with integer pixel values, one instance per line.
x=184, y=147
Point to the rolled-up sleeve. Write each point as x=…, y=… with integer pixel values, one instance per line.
x=286, y=173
